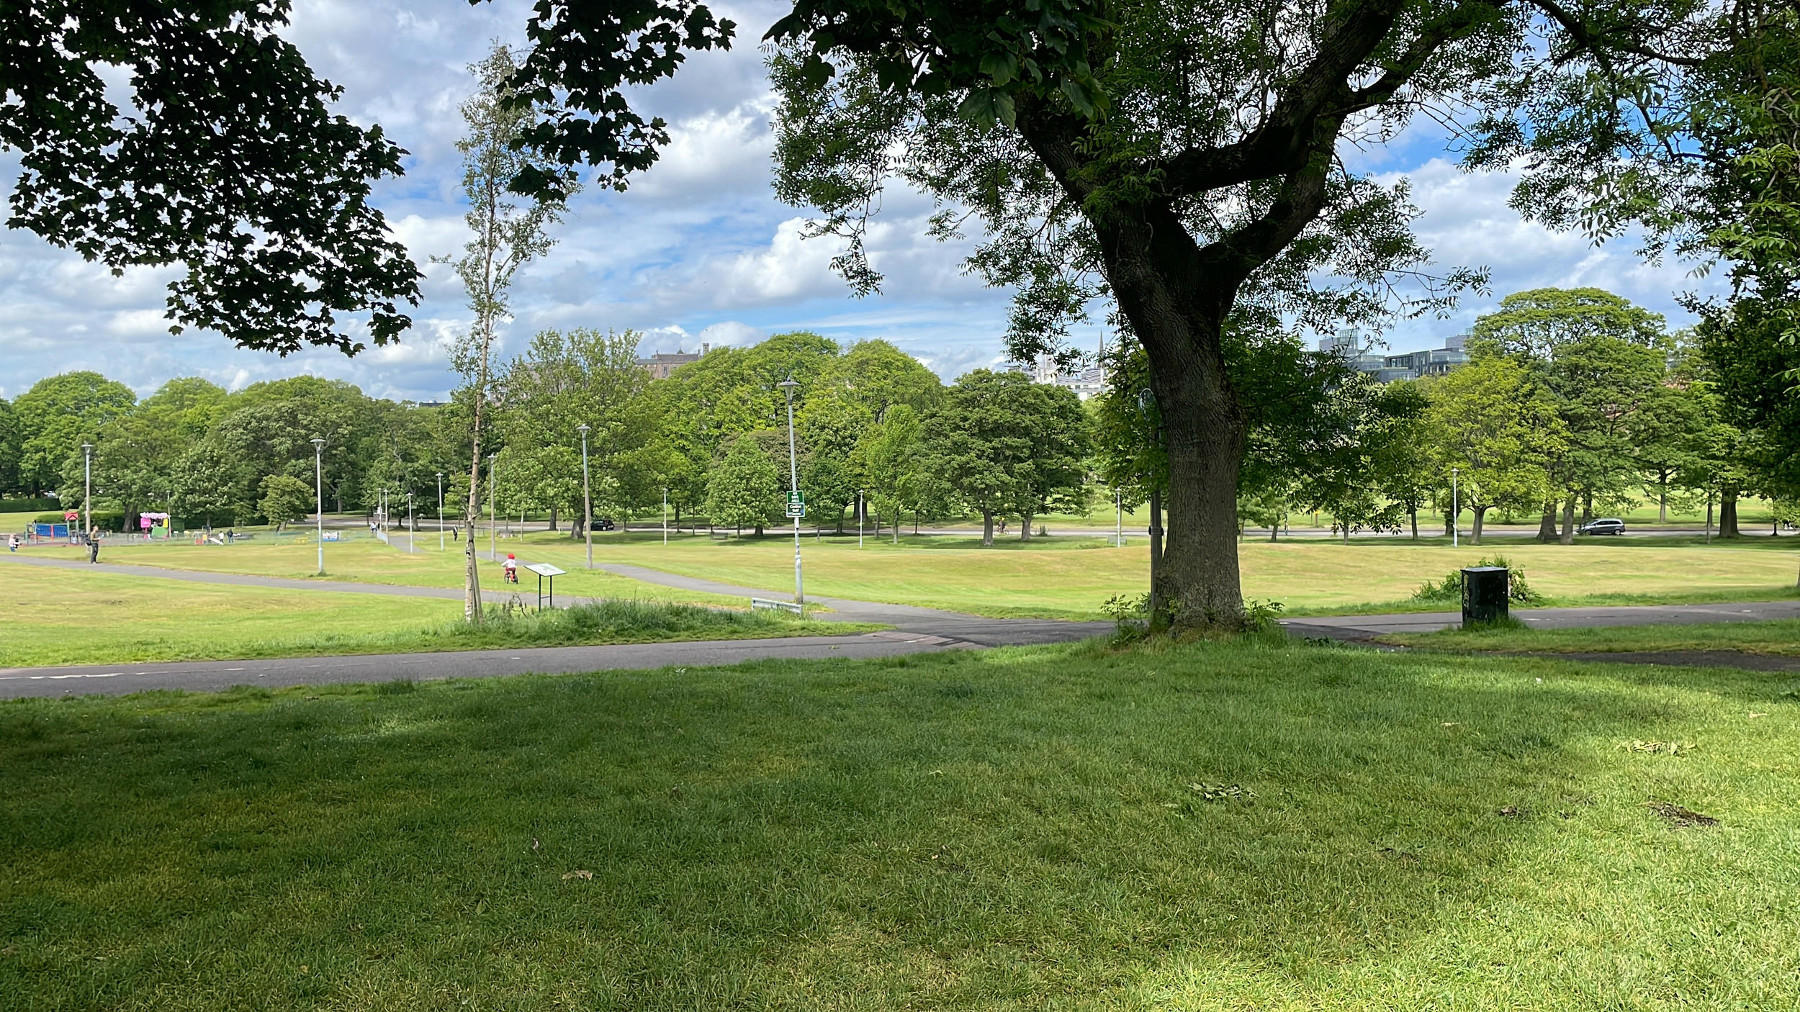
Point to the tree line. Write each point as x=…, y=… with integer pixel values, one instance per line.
x=710, y=440
x=1575, y=403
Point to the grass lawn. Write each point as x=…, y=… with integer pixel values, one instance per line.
x=1209, y=827
x=1070, y=577
x=362, y=559
x=1059, y=577
x=75, y=617
x=1777, y=636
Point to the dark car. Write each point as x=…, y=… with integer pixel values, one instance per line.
x=602, y=524
x=1610, y=525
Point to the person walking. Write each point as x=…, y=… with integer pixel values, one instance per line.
x=12, y=543
x=94, y=544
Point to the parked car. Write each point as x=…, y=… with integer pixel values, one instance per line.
x=602, y=524
x=1609, y=525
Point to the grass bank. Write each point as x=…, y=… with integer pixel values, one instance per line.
x=1776, y=636
x=75, y=617
x=1205, y=827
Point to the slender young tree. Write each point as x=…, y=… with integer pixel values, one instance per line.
x=509, y=231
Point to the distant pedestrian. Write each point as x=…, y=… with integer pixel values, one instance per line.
x=510, y=569
x=12, y=543
x=94, y=545
x=455, y=534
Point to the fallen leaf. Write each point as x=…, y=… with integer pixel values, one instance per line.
x=580, y=873
x=534, y=843
x=1756, y=715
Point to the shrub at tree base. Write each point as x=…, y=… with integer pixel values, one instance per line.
x=1450, y=587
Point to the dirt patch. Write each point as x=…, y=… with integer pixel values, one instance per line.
x=1679, y=817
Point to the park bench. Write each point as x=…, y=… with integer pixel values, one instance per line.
x=769, y=604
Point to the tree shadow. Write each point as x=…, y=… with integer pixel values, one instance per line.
x=996, y=828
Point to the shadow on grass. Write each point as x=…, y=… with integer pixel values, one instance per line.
x=1004, y=829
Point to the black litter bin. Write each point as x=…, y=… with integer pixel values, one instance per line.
x=1484, y=593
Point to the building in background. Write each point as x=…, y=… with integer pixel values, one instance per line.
x=1358, y=349
x=661, y=364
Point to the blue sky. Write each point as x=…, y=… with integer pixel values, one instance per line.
x=698, y=250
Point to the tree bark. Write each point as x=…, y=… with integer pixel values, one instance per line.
x=1587, y=506
x=1568, y=522
x=987, y=529
x=1199, y=579
x=553, y=512
x=1413, y=513
x=1024, y=527
x=1662, y=501
x=1475, y=531
x=1728, y=515
x=1547, y=526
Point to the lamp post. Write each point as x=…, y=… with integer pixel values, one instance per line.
x=411, y=535
x=859, y=518
x=665, y=516
x=787, y=387
x=492, y=481
x=319, y=498
x=440, y=475
x=87, y=486
x=1119, y=507
x=587, y=499
x=1455, y=513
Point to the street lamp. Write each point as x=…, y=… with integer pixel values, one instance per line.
x=87, y=486
x=1455, y=513
x=411, y=536
x=319, y=497
x=787, y=387
x=859, y=518
x=587, y=500
x=493, y=477
x=665, y=516
x=1119, y=507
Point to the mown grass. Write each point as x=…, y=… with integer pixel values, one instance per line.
x=363, y=559
x=1057, y=577
x=1202, y=827
x=77, y=617
x=1071, y=577
x=1774, y=636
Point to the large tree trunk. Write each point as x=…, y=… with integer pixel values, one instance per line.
x=1547, y=526
x=1475, y=531
x=1728, y=516
x=553, y=512
x=1024, y=527
x=987, y=529
x=1662, y=500
x=1568, y=522
x=1413, y=513
x=1204, y=433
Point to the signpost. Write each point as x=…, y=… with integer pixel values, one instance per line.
x=545, y=570
x=796, y=505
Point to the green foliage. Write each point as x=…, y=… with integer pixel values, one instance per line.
x=1450, y=587
x=285, y=498
x=1006, y=446
x=27, y=505
x=55, y=417
x=275, y=226
x=744, y=489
